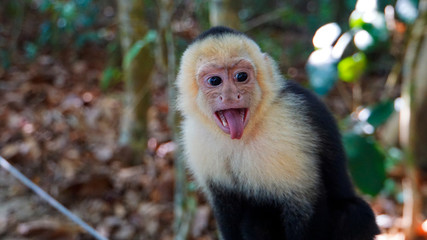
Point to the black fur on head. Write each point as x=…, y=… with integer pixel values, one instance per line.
x=215, y=32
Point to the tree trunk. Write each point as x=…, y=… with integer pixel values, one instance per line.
x=413, y=118
x=224, y=13
x=166, y=64
x=136, y=76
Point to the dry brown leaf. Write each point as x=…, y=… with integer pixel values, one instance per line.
x=48, y=229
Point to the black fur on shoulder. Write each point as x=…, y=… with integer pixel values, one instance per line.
x=215, y=32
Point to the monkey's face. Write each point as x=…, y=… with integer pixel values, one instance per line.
x=227, y=90
x=227, y=84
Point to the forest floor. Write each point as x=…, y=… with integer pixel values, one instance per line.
x=61, y=131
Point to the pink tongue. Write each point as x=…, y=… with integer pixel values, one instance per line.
x=235, y=123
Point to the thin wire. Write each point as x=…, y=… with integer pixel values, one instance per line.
x=27, y=182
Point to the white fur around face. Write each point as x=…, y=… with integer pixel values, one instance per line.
x=276, y=157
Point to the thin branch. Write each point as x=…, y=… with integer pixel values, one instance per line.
x=49, y=199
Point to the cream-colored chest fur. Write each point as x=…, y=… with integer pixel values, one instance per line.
x=276, y=159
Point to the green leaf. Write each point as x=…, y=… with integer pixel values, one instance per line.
x=376, y=26
x=137, y=46
x=326, y=35
x=366, y=162
x=351, y=68
x=380, y=113
x=341, y=45
x=364, y=41
x=322, y=70
x=370, y=29
x=110, y=76
x=356, y=20
x=407, y=10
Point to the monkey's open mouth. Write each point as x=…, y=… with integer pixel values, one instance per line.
x=232, y=121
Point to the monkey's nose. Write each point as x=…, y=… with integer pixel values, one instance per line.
x=230, y=97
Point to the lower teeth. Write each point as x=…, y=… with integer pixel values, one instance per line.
x=224, y=123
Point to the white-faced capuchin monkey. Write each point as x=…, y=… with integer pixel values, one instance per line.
x=266, y=151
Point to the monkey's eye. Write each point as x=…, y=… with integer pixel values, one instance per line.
x=215, y=81
x=241, y=76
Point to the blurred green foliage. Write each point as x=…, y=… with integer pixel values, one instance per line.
x=366, y=162
x=150, y=37
x=348, y=61
x=322, y=71
x=34, y=27
x=68, y=22
x=407, y=10
x=287, y=36
x=110, y=77
x=368, y=159
x=368, y=28
x=351, y=68
x=380, y=113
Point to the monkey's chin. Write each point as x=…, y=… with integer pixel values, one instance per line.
x=232, y=121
